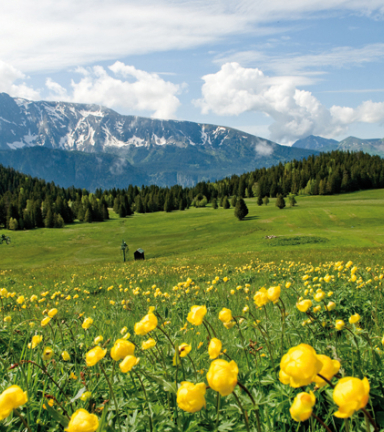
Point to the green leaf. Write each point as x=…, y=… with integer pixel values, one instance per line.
x=78, y=394
x=57, y=416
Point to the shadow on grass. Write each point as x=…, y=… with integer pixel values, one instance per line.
x=248, y=218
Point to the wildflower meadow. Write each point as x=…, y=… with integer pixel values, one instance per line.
x=277, y=346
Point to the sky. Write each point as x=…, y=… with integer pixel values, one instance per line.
x=278, y=69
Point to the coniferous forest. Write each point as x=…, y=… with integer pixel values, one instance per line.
x=27, y=202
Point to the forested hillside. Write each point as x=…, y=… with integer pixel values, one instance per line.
x=27, y=202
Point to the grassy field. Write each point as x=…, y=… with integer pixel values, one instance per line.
x=319, y=227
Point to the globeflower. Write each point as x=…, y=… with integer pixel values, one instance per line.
x=98, y=339
x=87, y=323
x=196, y=315
x=20, y=299
x=121, y=349
x=184, y=349
x=354, y=318
x=329, y=369
x=299, y=366
x=225, y=315
x=261, y=297
x=229, y=325
x=222, y=376
x=150, y=343
x=45, y=321
x=304, y=305
x=319, y=295
x=52, y=313
x=339, y=325
x=191, y=397
x=331, y=305
x=301, y=409
x=65, y=356
x=47, y=353
x=273, y=294
x=127, y=364
x=10, y=399
x=214, y=348
x=82, y=421
x=36, y=340
x=95, y=355
x=147, y=324
x=350, y=394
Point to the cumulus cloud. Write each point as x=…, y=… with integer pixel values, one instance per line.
x=262, y=148
x=122, y=87
x=10, y=78
x=296, y=113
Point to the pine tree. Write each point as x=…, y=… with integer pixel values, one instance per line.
x=292, y=200
x=88, y=216
x=226, y=204
x=214, y=203
x=259, y=200
x=241, y=209
x=49, y=221
x=280, y=201
x=266, y=200
x=234, y=201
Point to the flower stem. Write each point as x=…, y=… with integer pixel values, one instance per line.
x=146, y=398
x=217, y=409
x=321, y=422
x=243, y=411
x=112, y=394
x=369, y=417
x=22, y=419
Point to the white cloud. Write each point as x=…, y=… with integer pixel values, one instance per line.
x=337, y=57
x=263, y=148
x=296, y=113
x=56, y=35
x=10, y=82
x=127, y=89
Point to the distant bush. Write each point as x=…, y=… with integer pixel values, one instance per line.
x=297, y=240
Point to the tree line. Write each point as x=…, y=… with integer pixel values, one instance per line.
x=27, y=202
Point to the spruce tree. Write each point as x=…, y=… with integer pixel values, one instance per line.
x=49, y=221
x=226, y=204
x=280, y=201
x=259, y=200
x=266, y=200
x=241, y=209
x=88, y=216
x=234, y=201
x=292, y=199
x=214, y=203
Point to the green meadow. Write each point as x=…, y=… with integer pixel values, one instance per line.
x=319, y=227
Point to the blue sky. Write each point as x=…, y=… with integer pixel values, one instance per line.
x=280, y=70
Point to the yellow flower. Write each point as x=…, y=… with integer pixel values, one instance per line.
x=350, y=394
x=191, y=397
x=304, y=305
x=11, y=398
x=95, y=355
x=299, y=366
x=301, y=409
x=7, y=319
x=319, y=296
x=288, y=284
x=36, y=340
x=261, y=297
x=85, y=396
x=329, y=369
x=331, y=305
x=47, y=353
x=98, y=339
x=147, y=324
x=229, y=325
x=327, y=278
x=201, y=344
x=354, y=318
x=184, y=349
x=45, y=321
x=222, y=376
x=65, y=355
x=150, y=343
x=127, y=364
x=225, y=315
x=122, y=348
x=72, y=376
x=273, y=293
x=124, y=330
x=214, y=348
x=339, y=325
x=196, y=315
x=382, y=341
x=82, y=421
x=20, y=299
x=52, y=313
x=87, y=323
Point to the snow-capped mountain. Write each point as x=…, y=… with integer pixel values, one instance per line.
x=163, y=151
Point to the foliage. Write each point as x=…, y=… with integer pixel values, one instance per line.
x=241, y=209
x=118, y=296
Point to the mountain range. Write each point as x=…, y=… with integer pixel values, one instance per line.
x=93, y=147
x=371, y=146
